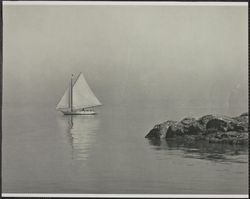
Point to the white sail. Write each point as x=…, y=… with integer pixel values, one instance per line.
x=64, y=102
x=82, y=95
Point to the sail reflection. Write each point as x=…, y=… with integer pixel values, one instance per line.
x=82, y=131
x=202, y=150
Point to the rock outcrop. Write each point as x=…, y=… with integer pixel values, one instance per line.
x=213, y=128
x=160, y=130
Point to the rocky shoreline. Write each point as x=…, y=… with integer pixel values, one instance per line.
x=212, y=128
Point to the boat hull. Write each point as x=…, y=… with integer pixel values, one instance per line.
x=79, y=112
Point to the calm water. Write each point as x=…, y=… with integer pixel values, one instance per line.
x=46, y=152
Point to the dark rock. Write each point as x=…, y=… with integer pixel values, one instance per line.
x=224, y=123
x=221, y=123
x=242, y=122
x=187, y=126
x=195, y=129
x=160, y=130
x=213, y=128
x=205, y=119
x=175, y=130
x=231, y=137
x=186, y=123
x=154, y=133
x=244, y=114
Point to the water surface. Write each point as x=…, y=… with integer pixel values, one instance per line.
x=46, y=152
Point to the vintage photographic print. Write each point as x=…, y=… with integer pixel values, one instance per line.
x=124, y=99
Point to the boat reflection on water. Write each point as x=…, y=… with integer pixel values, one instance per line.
x=202, y=150
x=82, y=131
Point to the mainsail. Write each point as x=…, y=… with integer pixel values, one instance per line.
x=82, y=95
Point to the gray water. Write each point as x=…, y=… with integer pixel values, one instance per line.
x=46, y=152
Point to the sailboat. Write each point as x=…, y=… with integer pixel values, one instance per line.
x=78, y=99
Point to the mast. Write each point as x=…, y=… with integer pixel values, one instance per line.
x=71, y=94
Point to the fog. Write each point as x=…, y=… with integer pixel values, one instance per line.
x=183, y=55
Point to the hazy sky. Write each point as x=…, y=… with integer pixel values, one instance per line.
x=192, y=54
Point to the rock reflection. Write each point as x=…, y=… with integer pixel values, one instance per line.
x=82, y=131
x=203, y=150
